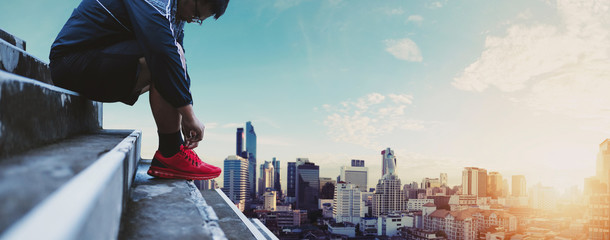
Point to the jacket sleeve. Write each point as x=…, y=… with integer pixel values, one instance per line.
x=164, y=55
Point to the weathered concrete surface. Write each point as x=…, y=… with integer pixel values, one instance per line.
x=17, y=61
x=15, y=41
x=167, y=209
x=28, y=178
x=33, y=114
x=233, y=226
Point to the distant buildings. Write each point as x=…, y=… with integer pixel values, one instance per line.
x=597, y=191
x=542, y=197
x=307, y=184
x=444, y=180
x=494, y=185
x=347, y=204
x=356, y=174
x=468, y=223
x=430, y=183
x=388, y=195
x=474, y=181
x=235, y=178
x=519, y=187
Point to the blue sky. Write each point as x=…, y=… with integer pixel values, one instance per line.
x=518, y=87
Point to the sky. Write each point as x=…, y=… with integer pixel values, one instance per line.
x=519, y=87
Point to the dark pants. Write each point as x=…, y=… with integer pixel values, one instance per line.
x=107, y=74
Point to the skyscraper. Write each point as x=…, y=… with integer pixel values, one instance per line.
x=388, y=196
x=235, y=178
x=277, y=186
x=357, y=174
x=474, y=181
x=519, y=187
x=494, y=185
x=603, y=163
x=251, y=149
x=388, y=158
x=347, y=204
x=597, y=191
x=307, y=185
x=291, y=176
x=239, y=146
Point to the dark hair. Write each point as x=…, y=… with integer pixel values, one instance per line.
x=219, y=7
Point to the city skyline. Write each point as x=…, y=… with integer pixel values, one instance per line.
x=515, y=87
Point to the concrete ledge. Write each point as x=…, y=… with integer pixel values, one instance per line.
x=34, y=114
x=89, y=205
x=15, y=41
x=167, y=209
x=17, y=61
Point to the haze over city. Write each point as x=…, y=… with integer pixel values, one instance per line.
x=517, y=87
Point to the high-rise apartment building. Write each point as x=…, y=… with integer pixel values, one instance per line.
x=494, y=185
x=235, y=178
x=277, y=186
x=444, y=180
x=347, y=204
x=518, y=186
x=388, y=196
x=251, y=149
x=356, y=174
x=474, y=181
x=307, y=184
x=291, y=177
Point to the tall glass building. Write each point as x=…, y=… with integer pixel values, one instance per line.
x=235, y=178
x=307, y=185
x=251, y=149
x=239, y=146
x=291, y=177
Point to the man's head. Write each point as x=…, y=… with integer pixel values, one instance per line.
x=199, y=10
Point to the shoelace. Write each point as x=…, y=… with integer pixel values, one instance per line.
x=192, y=156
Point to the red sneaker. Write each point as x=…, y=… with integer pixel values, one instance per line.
x=184, y=165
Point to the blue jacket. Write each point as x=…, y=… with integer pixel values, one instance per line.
x=153, y=23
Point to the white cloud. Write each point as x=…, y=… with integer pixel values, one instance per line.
x=435, y=4
x=561, y=68
x=394, y=11
x=364, y=120
x=404, y=49
x=415, y=18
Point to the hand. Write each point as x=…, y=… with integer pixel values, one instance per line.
x=192, y=129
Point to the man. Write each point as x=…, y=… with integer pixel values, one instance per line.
x=115, y=50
